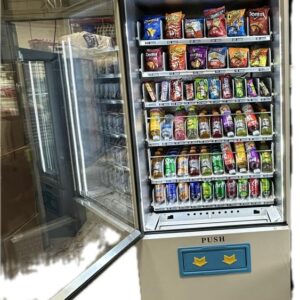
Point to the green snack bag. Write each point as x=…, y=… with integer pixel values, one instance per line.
x=239, y=87
x=201, y=86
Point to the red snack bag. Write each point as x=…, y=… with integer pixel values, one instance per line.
x=173, y=25
x=175, y=90
x=153, y=59
x=259, y=21
x=177, y=57
x=215, y=22
x=238, y=57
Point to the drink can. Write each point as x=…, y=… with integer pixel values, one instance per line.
x=182, y=165
x=195, y=191
x=265, y=187
x=217, y=163
x=231, y=189
x=254, y=187
x=207, y=191
x=219, y=189
x=243, y=189
x=159, y=193
x=171, y=192
x=183, y=191
x=170, y=165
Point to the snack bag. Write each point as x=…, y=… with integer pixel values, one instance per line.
x=215, y=22
x=264, y=91
x=176, y=90
x=152, y=27
x=197, y=57
x=189, y=91
x=164, y=89
x=201, y=86
x=216, y=58
x=251, y=88
x=193, y=28
x=214, y=88
x=236, y=22
x=258, y=57
x=150, y=88
x=238, y=57
x=239, y=87
x=153, y=59
x=259, y=21
x=177, y=57
x=226, y=86
x=173, y=25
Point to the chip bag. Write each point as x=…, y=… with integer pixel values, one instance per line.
x=201, y=87
x=176, y=90
x=153, y=59
x=214, y=88
x=236, y=22
x=197, y=57
x=193, y=28
x=215, y=22
x=238, y=57
x=259, y=57
x=259, y=21
x=177, y=57
x=251, y=90
x=173, y=29
x=152, y=27
x=216, y=58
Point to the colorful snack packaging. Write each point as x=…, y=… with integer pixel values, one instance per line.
x=238, y=57
x=239, y=87
x=152, y=27
x=264, y=91
x=236, y=22
x=259, y=57
x=153, y=59
x=189, y=91
x=164, y=89
x=176, y=90
x=216, y=58
x=150, y=88
x=193, y=28
x=201, y=86
x=259, y=21
x=226, y=87
x=214, y=88
x=173, y=29
x=215, y=22
x=197, y=57
x=251, y=88
x=177, y=57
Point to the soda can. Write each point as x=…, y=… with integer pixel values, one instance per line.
x=231, y=189
x=171, y=192
x=195, y=191
x=183, y=191
x=254, y=187
x=170, y=166
x=207, y=191
x=265, y=187
x=159, y=193
x=243, y=189
x=219, y=189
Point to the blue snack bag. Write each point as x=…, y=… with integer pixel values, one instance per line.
x=236, y=22
x=152, y=27
x=214, y=88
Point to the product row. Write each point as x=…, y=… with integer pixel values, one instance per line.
x=112, y=122
x=219, y=190
x=108, y=90
x=183, y=57
x=191, y=125
x=216, y=22
x=107, y=65
x=223, y=87
x=212, y=160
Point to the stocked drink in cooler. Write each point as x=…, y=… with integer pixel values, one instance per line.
x=227, y=120
x=228, y=158
x=217, y=161
x=253, y=157
x=265, y=187
x=231, y=189
x=159, y=193
x=171, y=192
x=183, y=191
x=183, y=164
x=204, y=130
x=205, y=162
x=266, y=158
x=167, y=127
x=254, y=187
x=241, y=159
x=170, y=163
x=195, y=191
x=251, y=120
x=219, y=190
x=243, y=188
x=240, y=124
x=179, y=124
x=216, y=125
x=155, y=116
x=192, y=124
x=266, y=122
x=207, y=191
x=194, y=168
x=157, y=165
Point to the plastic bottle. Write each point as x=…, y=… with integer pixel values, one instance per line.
x=240, y=124
x=217, y=161
x=194, y=169
x=179, y=124
x=253, y=157
x=205, y=162
x=240, y=154
x=251, y=120
x=204, y=130
x=192, y=124
x=228, y=157
x=155, y=117
x=266, y=122
x=157, y=165
x=266, y=158
x=167, y=127
x=216, y=125
x=227, y=120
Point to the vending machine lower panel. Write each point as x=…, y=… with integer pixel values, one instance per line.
x=235, y=264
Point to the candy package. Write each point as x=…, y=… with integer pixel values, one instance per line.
x=239, y=87
x=164, y=89
x=236, y=22
x=215, y=22
x=177, y=57
x=173, y=29
x=193, y=28
x=259, y=21
x=150, y=88
x=153, y=59
x=264, y=91
x=251, y=90
x=197, y=57
x=259, y=57
x=238, y=57
x=201, y=86
x=214, y=88
x=152, y=27
x=189, y=91
x=216, y=58
x=226, y=87
x=176, y=90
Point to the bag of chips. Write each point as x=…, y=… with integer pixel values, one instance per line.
x=175, y=90
x=173, y=29
x=216, y=58
x=201, y=86
x=152, y=27
x=259, y=57
x=193, y=28
x=177, y=57
x=236, y=22
x=153, y=59
x=264, y=91
x=197, y=57
x=215, y=21
x=239, y=87
x=150, y=88
x=189, y=91
x=238, y=57
x=214, y=88
x=259, y=21
x=226, y=86
x=251, y=90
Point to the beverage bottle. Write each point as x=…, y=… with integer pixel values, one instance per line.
x=265, y=187
x=253, y=157
x=159, y=193
x=266, y=122
x=195, y=191
x=240, y=124
x=219, y=190
x=216, y=125
x=157, y=165
x=204, y=130
x=251, y=120
x=155, y=117
x=167, y=127
x=183, y=191
x=240, y=154
x=266, y=158
x=205, y=162
x=254, y=187
x=183, y=164
x=192, y=124
x=243, y=188
x=227, y=120
x=171, y=192
x=170, y=163
x=207, y=191
x=231, y=189
x=179, y=124
x=194, y=169
x=217, y=161
x=228, y=158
